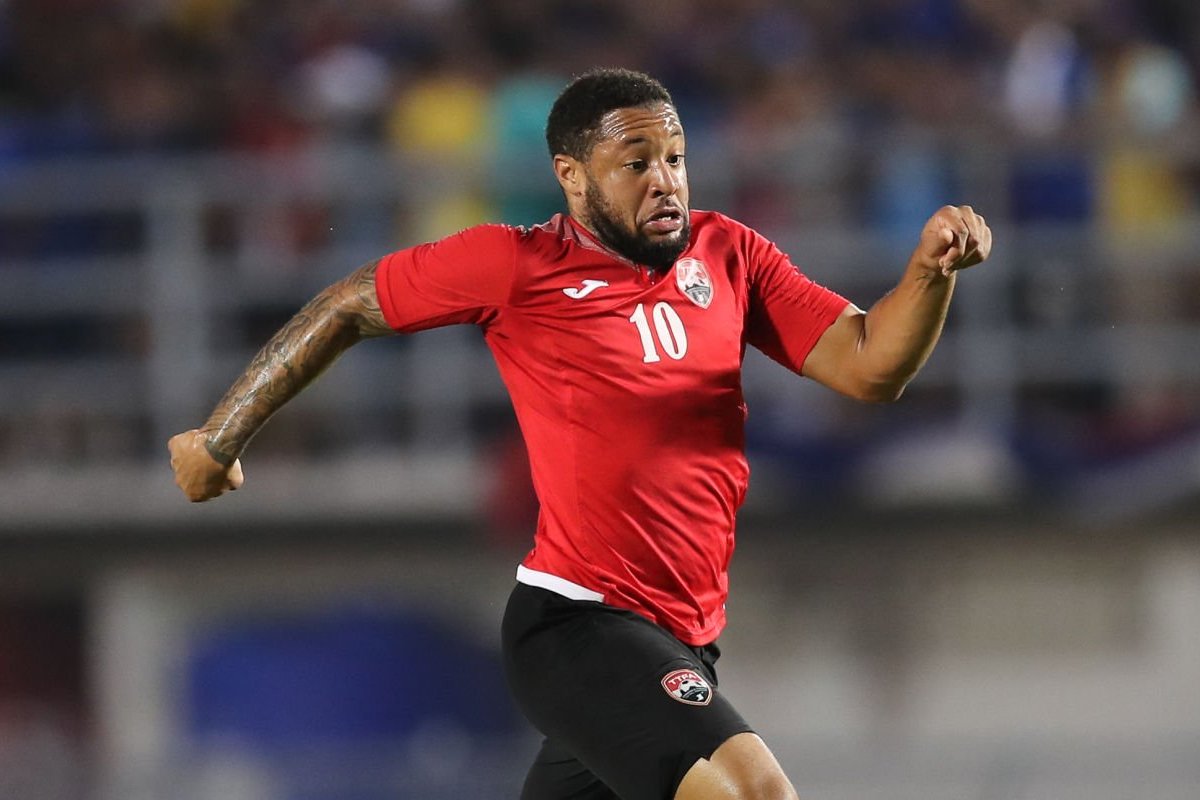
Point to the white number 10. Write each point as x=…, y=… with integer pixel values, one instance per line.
x=671, y=335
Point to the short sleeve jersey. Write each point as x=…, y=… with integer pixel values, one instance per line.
x=626, y=382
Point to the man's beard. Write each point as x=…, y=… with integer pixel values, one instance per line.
x=636, y=247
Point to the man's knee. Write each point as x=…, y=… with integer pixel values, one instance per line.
x=742, y=768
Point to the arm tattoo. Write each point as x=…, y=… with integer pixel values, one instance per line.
x=337, y=318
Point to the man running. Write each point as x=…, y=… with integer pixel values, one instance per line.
x=619, y=330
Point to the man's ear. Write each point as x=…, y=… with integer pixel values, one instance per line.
x=571, y=175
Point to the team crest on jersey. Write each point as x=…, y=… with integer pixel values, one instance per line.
x=687, y=686
x=691, y=276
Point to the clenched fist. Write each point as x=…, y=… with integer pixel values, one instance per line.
x=198, y=474
x=954, y=238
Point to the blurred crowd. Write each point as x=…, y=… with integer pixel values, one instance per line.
x=818, y=113
x=797, y=82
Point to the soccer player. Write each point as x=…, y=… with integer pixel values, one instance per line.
x=619, y=330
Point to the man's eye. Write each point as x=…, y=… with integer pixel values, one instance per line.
x=675, y=160
x=637, y=166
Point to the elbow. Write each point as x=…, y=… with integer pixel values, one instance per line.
x=879, y=383
x=879, y=391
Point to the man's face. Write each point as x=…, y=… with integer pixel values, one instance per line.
x=636, y=194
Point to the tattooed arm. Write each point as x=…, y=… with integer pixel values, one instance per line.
x=205, y=460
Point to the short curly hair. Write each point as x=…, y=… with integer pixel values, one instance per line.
x=573, y=126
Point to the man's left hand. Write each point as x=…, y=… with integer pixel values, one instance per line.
x=954, y=238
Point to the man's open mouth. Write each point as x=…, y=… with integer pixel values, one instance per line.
x=665, y=220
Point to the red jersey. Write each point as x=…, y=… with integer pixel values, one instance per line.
x=627, y=385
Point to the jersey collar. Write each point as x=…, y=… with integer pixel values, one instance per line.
x=576, y=232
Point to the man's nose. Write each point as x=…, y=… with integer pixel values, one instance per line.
x=664, y=181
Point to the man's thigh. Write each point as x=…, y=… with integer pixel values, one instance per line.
x=635, y=706
x=556, y=774
x=742, y=767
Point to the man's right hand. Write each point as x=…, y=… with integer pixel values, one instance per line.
x=198, y=474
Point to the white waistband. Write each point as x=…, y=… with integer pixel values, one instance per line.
x=544, y=580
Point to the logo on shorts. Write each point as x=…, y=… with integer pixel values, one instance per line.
x=687, y=687
x=691, y=276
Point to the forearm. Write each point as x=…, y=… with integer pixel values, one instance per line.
x=873, y=356
x=900, y=331
x=329, y=324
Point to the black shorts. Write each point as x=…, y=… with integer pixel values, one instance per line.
x=626, y=707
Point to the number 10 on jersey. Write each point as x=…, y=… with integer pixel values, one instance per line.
x=672, y=338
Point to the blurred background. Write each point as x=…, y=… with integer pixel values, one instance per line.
x=988, y=590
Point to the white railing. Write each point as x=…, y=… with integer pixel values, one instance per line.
x=207, y=269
